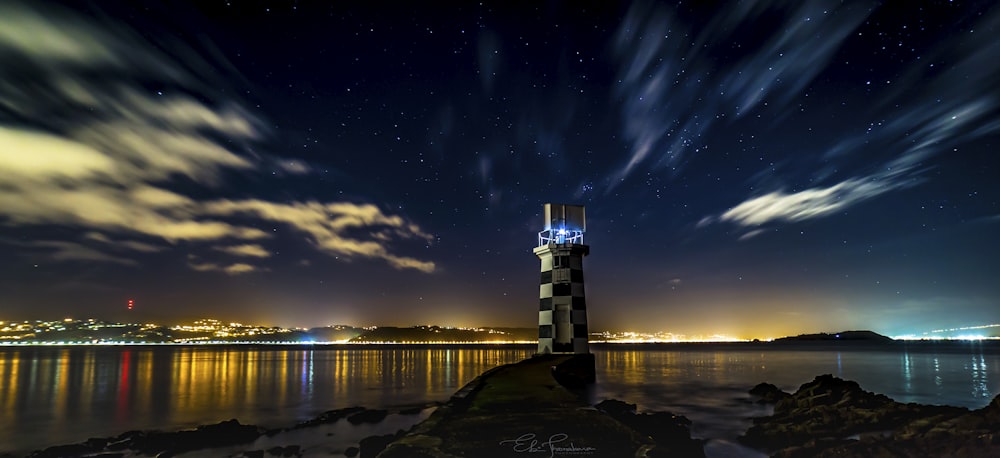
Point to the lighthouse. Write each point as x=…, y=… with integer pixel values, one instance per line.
x=562, y=306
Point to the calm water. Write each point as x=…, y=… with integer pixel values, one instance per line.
x=58, y=395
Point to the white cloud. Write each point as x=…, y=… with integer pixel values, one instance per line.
x=129, y=244
x=240, y=268
x=69, y=251
x=410, y=263
x=105, y=150
x=806, y=204
x=52, y=40
x=30, y=157
x=140, y=246
x=295, y=167
x=751, y=234
x=328, y=226
x=232, y=269
x=251, y=250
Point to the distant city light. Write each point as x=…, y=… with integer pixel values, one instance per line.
x=208, y=331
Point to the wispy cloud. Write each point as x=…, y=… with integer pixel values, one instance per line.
x=751, y=234
x=88, y=144
x=929, y=113
x=672, y=89
x=127, y=244
x=69, y=251
x=328, y=226
x=231, y=269
x=802, y=205
x=250, y=250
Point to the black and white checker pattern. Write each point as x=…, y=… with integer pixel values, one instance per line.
x=562, y=309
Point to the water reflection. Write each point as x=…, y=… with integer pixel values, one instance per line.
x=50, y=395
x=58, y=395
x=938, y=381
x=709, y=384
x=980, y=376
x=907, y=363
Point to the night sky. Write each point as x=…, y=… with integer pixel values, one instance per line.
x=753, y=169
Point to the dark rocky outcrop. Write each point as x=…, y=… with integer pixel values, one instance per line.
x=534, y=407
x=159, y=443
x=834, y=417
x=286, y=451
x=371, y=446
x=768, y=393
x=368, y=416
x=64, y=450
x=223, y=434
x=229, y=432
x=330, y=416
x=575, y=373
x=671, y=433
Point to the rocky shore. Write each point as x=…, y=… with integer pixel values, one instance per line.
x=233, y=439
x=538, y=407
x=535, y=407
x=832, y=417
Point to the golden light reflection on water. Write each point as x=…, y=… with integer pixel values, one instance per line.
x=60, y=395
x=8, y=383
x=62, y=381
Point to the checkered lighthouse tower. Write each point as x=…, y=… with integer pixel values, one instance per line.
x=562, y=307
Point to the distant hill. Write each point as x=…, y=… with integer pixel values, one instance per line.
x=340, y=333
x=844, y=336
x=423, y=334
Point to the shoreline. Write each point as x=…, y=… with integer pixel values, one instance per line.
x=990, y=347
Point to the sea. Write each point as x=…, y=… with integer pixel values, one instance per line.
x=59, y=395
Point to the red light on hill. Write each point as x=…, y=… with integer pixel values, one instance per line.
x=130, y=304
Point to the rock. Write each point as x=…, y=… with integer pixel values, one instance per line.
x=97, y=443
x=992, y=411
x=821, y=416
x=412, y=410
x=768, y=393
x=229, y=432
x=63, y=450
x=671, y=433
x=330, y=416
x=576, y=372
x=615, y=408
x=371, y=446
x=286, y=451
x=368, y=416
x=351, y=452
